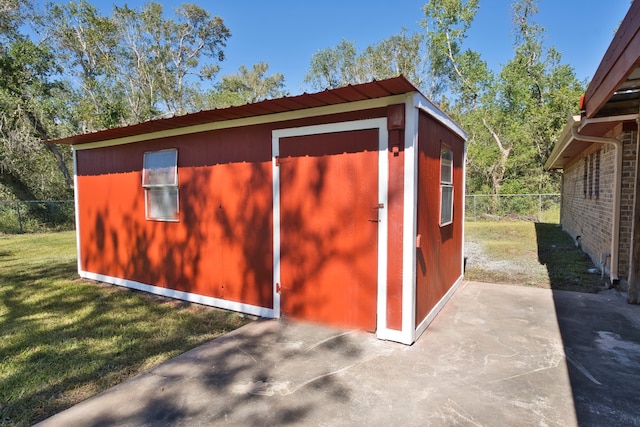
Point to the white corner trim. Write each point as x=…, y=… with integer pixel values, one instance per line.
x=436, y=309
x=396, y=336
x=410, y=223
x=76, y=209
x=185, y=296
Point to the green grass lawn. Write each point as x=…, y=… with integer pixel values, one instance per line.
x=527, y=253
x=64, y=339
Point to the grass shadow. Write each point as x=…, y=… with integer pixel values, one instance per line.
x=568, y=267
x=65, y=339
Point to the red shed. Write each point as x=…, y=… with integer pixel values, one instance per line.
x=343, y=207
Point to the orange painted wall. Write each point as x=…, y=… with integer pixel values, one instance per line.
x=329, y=228
x=222, y=245
x=439, y=259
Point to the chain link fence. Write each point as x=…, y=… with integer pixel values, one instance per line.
x=33, y=216
x=523, y=207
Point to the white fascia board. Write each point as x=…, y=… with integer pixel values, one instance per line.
x=563, y=142
x=185, y=296
x=424, y=104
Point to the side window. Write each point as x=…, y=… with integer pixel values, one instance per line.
x=446, y=185
x=160, y=183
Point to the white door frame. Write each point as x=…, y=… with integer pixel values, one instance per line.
x=383, y=183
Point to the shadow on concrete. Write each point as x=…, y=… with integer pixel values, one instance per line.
x=247, y=377
x=600, y=333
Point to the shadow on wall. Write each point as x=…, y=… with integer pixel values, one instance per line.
x=222, y=246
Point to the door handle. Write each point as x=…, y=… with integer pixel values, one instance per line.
x=377, y=207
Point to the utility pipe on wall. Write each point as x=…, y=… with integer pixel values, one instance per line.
x=615, y=225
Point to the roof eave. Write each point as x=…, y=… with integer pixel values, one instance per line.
x=564, y=140
x=375, y=89
x=616, y=65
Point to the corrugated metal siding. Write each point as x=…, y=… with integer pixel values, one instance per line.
x=396, y=228
x=328, y=199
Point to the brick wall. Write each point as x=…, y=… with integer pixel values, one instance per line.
x=587, y=200
x=629, y=140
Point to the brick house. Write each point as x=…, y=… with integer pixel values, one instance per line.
x=597, y=154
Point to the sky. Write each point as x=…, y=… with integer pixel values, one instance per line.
x=286, y=33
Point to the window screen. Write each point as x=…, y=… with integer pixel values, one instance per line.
x=160, y=182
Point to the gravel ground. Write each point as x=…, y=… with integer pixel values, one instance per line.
x=480, y=266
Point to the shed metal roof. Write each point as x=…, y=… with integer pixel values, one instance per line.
x=372, y=90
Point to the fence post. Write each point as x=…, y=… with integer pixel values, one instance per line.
x=19, y=217
x=539, y=207
x=474, y=208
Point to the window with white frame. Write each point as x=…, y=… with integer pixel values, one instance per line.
x=446, y=186
x=160, y=182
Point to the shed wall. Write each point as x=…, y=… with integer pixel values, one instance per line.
x=439, y=258
x=225, y=201
x=222, y=245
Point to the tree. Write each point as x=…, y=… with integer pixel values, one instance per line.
x=342, y=65
x=136, y=64
x=246, y=87
x=512, y=117
x=333, y=67
x=29, y=168
x=91, y=72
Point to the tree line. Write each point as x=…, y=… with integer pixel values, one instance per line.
x=69, y=68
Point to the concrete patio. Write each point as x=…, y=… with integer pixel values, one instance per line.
x=495, y=355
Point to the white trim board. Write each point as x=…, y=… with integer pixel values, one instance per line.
x=410, y=212
x=181, y=295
